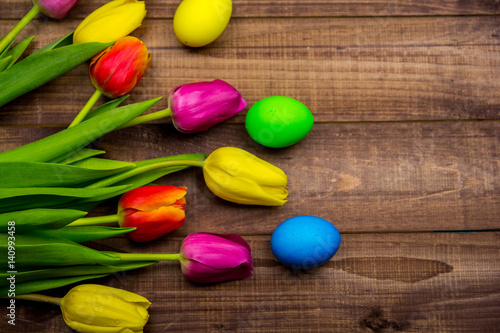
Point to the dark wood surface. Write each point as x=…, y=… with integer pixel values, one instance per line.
x=404, y=159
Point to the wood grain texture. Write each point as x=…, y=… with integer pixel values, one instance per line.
x=362, y=177
x=356, y=69
x=375, y=283
x=397, y=154
x=161, y=9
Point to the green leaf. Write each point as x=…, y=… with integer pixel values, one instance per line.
x=106, y=107
x=103, y=164
x=54, y=174
x=64, y=143
x=18, y=50
x=40, y=218
x=40, y=68
x=79, y=270
x=84, y=234
x=37, y=251
x=7, y=193
x=135, y=181
x=5, y=62
x=80, y=155
x=123, y=176
x=65, y=41
x=194, y=157
x=12, y=199
x=39, y=285
x=6, y=49
x=149, y=176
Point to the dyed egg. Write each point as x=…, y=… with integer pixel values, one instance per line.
x=278, y=121
x=305, y=241
x=199, y=22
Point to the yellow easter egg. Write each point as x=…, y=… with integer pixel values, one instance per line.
x=199, y=22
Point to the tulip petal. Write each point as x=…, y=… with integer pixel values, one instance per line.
x=210, y=257
x=84, y=328
x=115, y=19
x=236, y=175
x=150, y=198
x=216, y=251
x=154, y=210
x=96, y=308
x=117, y=70
x=240, y=163
x=200, y=273
x=120, y=293
x=55, y=8
x=198, y=106
x=152, y=225
x=243, y=190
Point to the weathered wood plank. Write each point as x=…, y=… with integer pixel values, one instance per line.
x=362, y=177
x=161, y=9
x=355, y=65
x=375, y=283
x=342, y=69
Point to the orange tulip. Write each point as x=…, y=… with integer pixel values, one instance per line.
x=117, y=70
x=154, y=210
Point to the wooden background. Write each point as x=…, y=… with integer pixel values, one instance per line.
x=404, y=159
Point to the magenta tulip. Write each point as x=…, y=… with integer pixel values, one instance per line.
x=198, y=106
x=55, y=8
x=210, y=257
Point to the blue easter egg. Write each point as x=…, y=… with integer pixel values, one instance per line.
x=305, y=241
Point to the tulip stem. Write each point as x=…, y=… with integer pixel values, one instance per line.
x=40, y=298
x=12, y=34
x=88, y=106
x=94, y=220
x=145, y=168
x=148, y=256
x=147, y=117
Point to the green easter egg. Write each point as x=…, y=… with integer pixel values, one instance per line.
x=278, y=121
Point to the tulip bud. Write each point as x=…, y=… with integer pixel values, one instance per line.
x=110, y=22
x=117, y=69
x=235, y=175
x=56, y=9
x=95, y=308
x=209, y=257
x=198, y=106
x=153, y=210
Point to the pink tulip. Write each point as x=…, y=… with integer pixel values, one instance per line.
x=210, y=257
x=198, y=106
x=55, y=8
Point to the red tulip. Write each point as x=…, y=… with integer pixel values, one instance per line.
x=117, y=70
x=210, y=257
x=153, y=210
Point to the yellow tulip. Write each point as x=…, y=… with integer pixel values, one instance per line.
x=236, y=175
x=95, y=308
x=110, y=22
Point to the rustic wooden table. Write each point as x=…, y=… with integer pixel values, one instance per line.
x=404, y=159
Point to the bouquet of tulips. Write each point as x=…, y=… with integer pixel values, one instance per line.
x=68, y=179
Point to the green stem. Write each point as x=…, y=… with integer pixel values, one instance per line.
x=12, y=34
x=88, y=106
x=94, y=220
x=148, y=117
x=40, y=298
x=148, y=256
x=145, y=168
